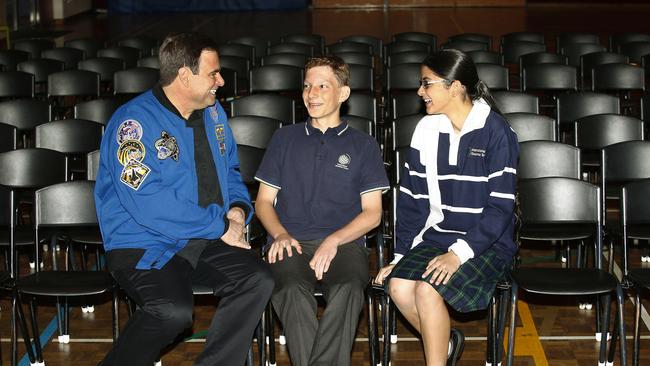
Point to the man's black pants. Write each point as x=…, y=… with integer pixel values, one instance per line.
x=241, y=280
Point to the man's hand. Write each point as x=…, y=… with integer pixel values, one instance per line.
x=326, y=251
x=237, y=214
x=383, y=273
x=442, y=267
x=282, y=242
x=235, y=235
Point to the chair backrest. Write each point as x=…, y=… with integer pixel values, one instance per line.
x=260, y=45
x=573, y=106
x=238, y=49
x=531, y=126
x=69, y=56
x=65, y=204
x=291, y=59
x=591, y=60
x=89, y=46
x=406, y=104
x=466, y=46
x=494, y=76
x=129, y=55
x=98, y=110
x=301, y=48
x=276, y=78
x=626, y=161
x=134, y=81
x=635, y=50
x=34, y=46
x=474, y=37
x=403, y=129
x=376, y=43
x=564, y=39
x=361, y=78
x=92, y=162
x=106, y=67
x=356, y=58
x=143, y=43
x=249, y=160
x=253, y=131
x=349, y=47
x=617, y=77
x=361, y=105
x=515, y=102
x=597, y=131
x=541, y=58
x=422, y=37
x=359, y=123
x=11, y=58
x=32, y=168
x=616, y=40
x=548, y=159
x=41, y=68
x=73, y=83
x=72, y=136
x=558, y=200
x=523, y=37
x=575, y=51
x=274, y=106
x=403, y=76
x=486, y=57
x=231, y=84
x=406, y=46
x=314, y=40
x=8, y=138
x=240, y=64
x=406, y=58
x=151, y=62
x=511, y=51
x=25, y=114
x=550, y=77
x=16, y=84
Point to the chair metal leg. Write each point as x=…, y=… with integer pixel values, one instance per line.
x=620, y=300
x=637, y=319
x=116, y=314
x=19, y=316
x=604, y=328
x=490, y=354
x=511, y=331
x=503, y=308
x=270, y=329
x=386, y=322
x=372, y=326
x=36, y=333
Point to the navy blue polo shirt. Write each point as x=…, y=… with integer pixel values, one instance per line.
x=320, y=177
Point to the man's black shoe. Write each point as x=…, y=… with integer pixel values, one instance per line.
x=456, y=343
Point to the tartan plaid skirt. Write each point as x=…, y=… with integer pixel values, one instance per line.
x=469, y=289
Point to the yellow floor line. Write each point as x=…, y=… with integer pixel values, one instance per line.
x=527, y=341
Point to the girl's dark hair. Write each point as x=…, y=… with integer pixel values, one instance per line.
x=453, y=65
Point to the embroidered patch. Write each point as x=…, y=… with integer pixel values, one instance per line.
x=129, y=130
x=344, y=161
x=134, y=174
x=130, y=150
x=219, y=131
x=213, y=113
x=476, y=152
x=166, y=146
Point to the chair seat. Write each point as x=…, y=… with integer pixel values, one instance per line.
x=640, y=277
x=85, y=235
x=202, y=290
x=565, y=281
x=557, y=232
x=23, y=236
x=66, y=283
x=638, y=232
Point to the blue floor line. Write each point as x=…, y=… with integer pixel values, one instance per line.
x=45, y=337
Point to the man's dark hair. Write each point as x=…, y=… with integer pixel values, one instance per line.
x=182, y=49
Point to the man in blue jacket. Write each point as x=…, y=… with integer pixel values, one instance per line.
x=172, y=209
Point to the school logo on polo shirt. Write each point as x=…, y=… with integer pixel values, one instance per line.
x=343, y=161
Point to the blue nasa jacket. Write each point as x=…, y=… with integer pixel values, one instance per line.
x=146, y=193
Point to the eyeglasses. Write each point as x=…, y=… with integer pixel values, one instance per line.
x=426, y=83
